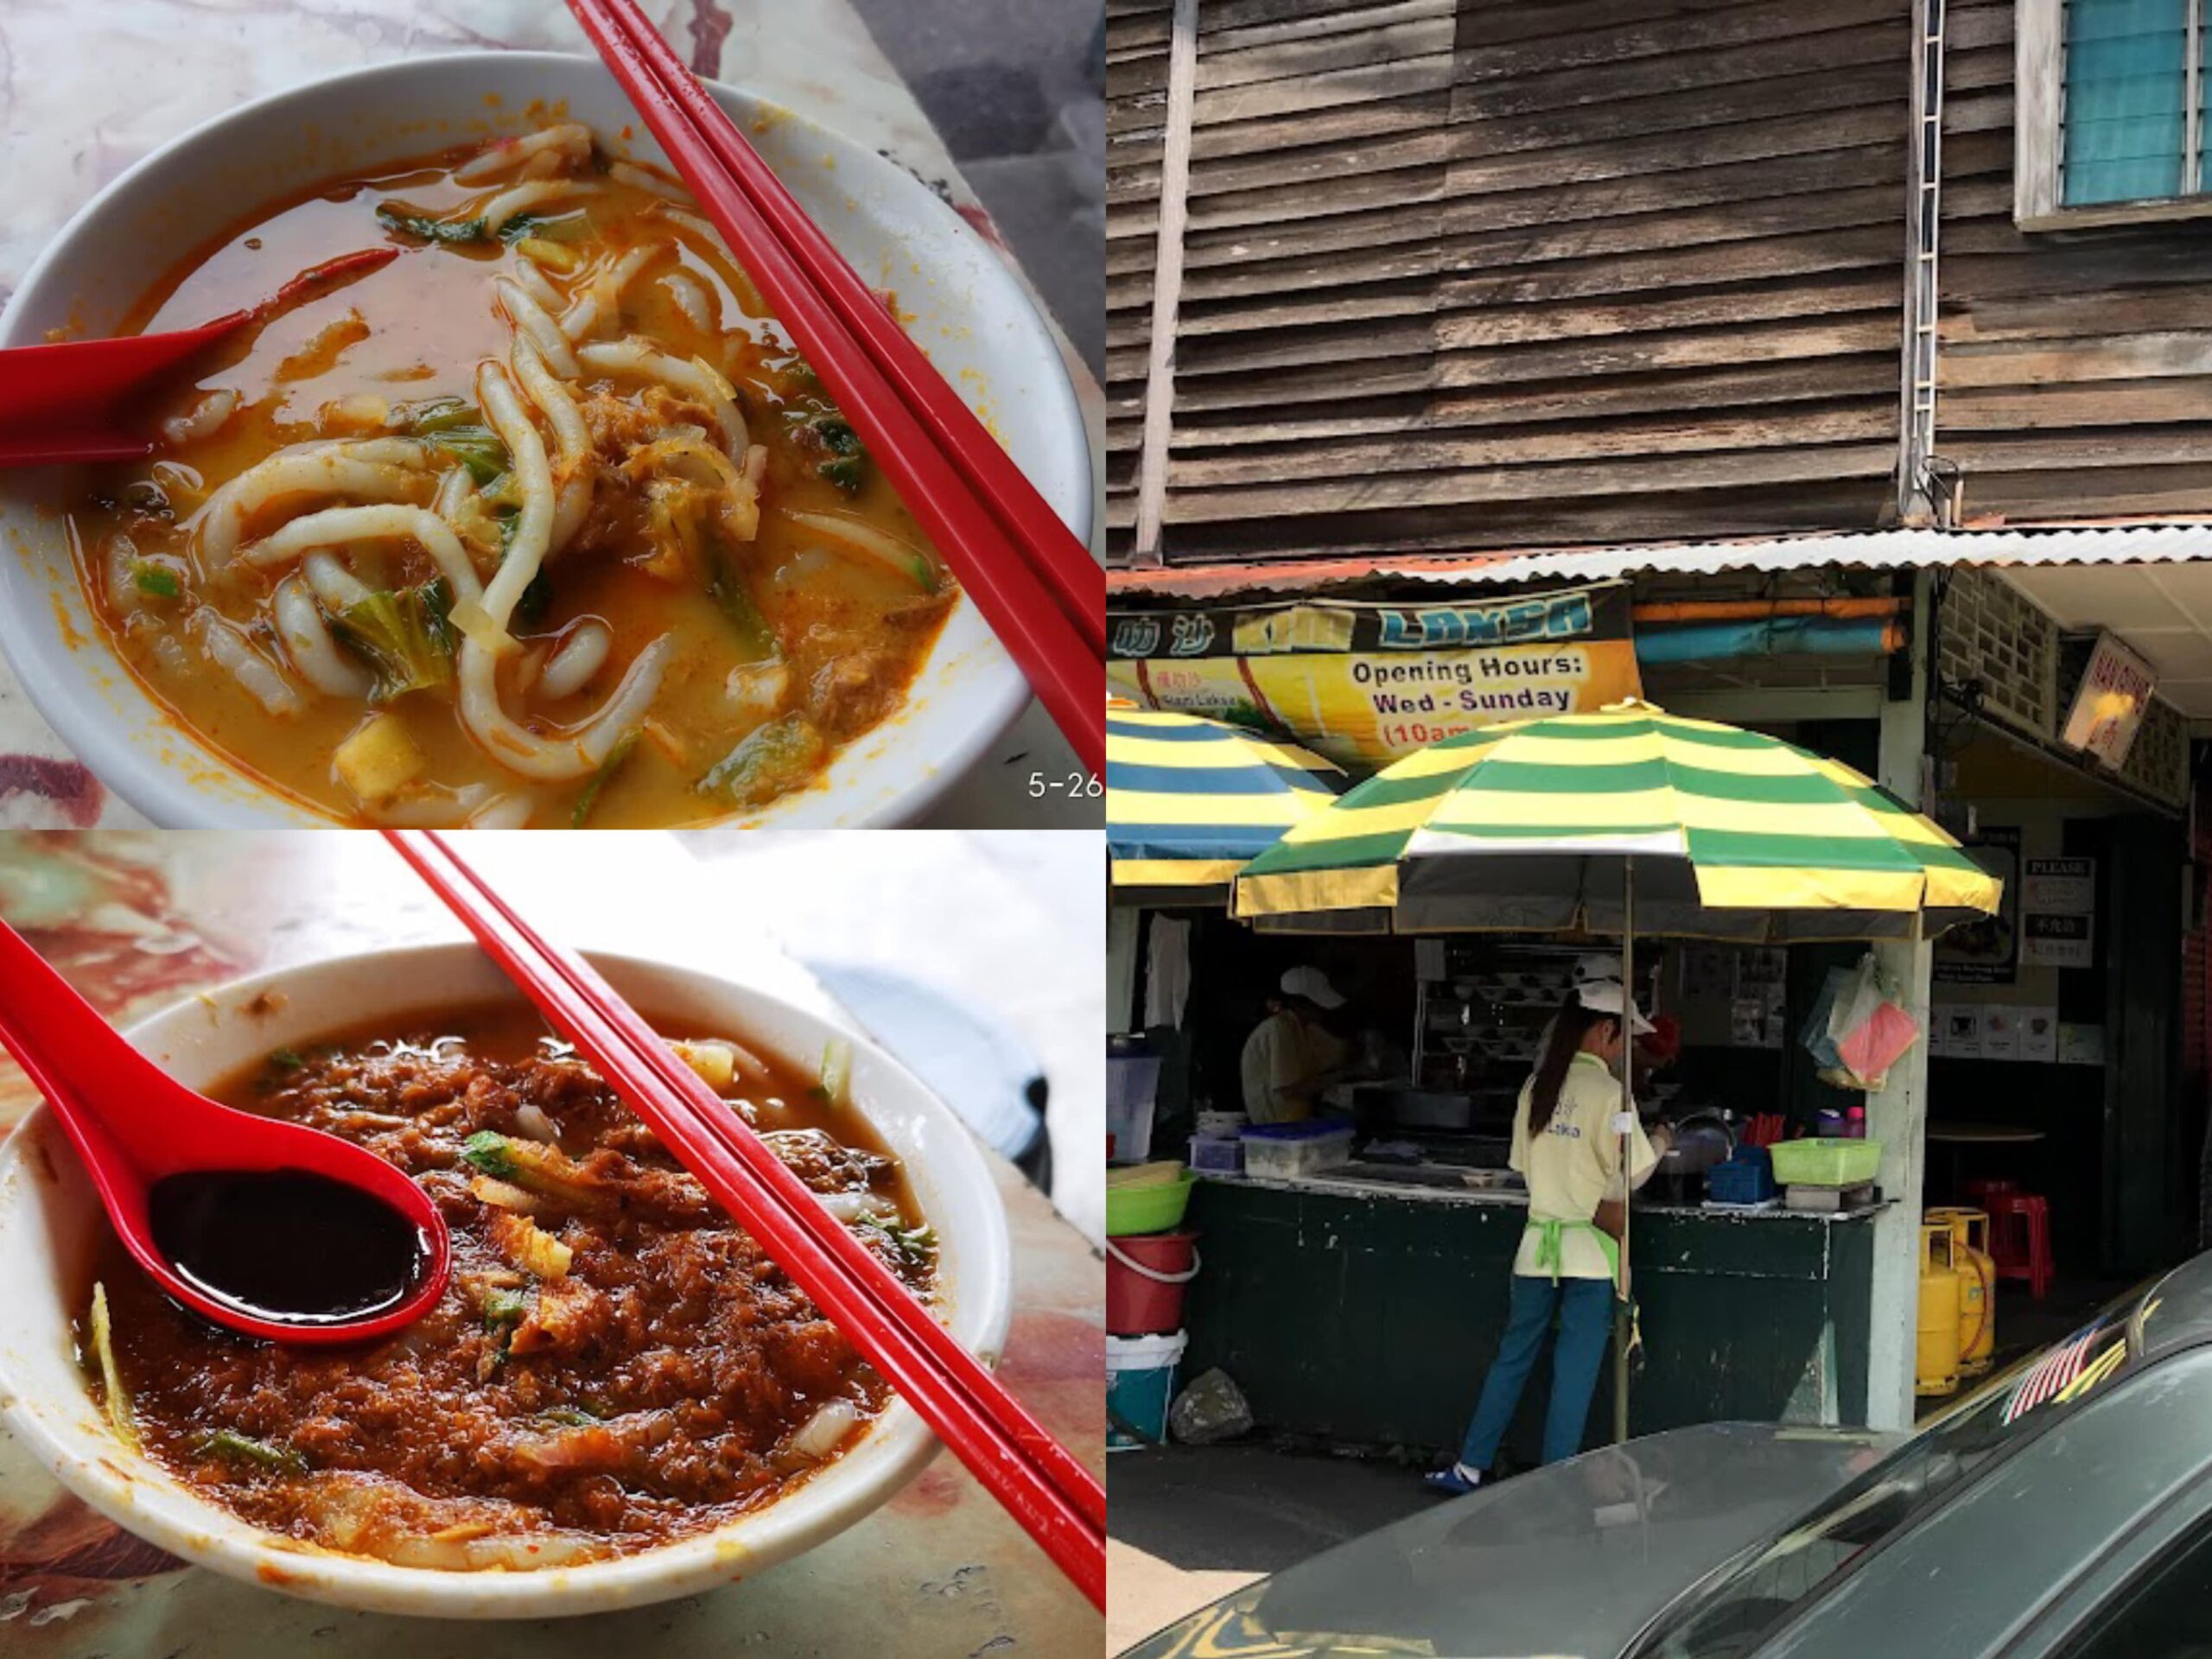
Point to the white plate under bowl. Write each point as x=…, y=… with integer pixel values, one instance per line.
x=50, y=1225
x=968, y=311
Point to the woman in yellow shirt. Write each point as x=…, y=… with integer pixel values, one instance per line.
x=1566, y=1145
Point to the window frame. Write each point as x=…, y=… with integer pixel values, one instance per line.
x=2038, y=141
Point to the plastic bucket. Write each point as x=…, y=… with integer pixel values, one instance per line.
x=1140, y=1386
x=1145, y=1276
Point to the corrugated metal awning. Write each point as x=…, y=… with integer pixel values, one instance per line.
x=2146, y=543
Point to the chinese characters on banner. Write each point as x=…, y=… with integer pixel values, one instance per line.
x=1364, y=685
x=2107, y=709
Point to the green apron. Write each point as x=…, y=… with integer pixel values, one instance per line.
x=1550, y=1232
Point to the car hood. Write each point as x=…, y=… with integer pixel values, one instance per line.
x=1568, y=1562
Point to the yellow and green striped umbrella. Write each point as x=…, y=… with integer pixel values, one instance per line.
x=1529, y=827
x=1189, y=802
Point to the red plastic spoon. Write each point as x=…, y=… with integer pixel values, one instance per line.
x=96, y=399
x=186, y=1176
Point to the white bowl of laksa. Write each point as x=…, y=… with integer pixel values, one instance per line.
x=618, y=1399
x=545, y=522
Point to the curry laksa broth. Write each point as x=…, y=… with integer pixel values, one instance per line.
x=614, y=1364
x=543, y=522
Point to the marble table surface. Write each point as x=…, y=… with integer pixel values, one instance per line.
x=139, y=919
x=71, y=119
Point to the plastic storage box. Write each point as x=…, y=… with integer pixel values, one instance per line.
x=1287, y=1150
x=1746, y=1177
x=1825, y=1162
x=1217, y=1155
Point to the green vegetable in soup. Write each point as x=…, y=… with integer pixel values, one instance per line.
x=155, y=580
x=836, y=1071
x=456, y=429
x=435, y=415
x=819, y=429
x=915, y=1246
x=557, y=227
x=424, y=228
x=504, y=1307
x=778, y=756
x=404, y=636
x=607, y=768
x=535, y=1167
x=733, y=595
x=114, y=1399
x=234, y=1447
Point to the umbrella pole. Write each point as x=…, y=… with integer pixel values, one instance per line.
x=1623, y=1317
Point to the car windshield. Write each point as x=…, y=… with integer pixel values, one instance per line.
x=1735, y=1614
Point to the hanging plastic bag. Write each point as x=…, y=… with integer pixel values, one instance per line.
x=1815, y=1035
x=1868, y=1028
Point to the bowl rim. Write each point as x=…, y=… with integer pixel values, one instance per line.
x=86, y=1461
x=168, y=794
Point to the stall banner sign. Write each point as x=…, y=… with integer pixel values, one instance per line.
x=1365, y=683
x=1986, y=950
x=2058, y=902
x=2108, y=707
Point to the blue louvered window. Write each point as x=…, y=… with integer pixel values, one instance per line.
x=2134, y=100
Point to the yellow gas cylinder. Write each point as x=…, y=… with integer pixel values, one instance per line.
x=1935, y=1352
x=1977, y=1271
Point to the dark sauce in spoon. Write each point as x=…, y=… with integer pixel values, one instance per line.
x=287, y=1245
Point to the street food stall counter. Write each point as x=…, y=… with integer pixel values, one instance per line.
x=1362, y=1310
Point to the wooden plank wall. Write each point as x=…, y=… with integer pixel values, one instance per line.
x=2074, y=371
x=1478, y=273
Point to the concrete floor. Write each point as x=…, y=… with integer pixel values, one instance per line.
x=1016, y=90
x=1190, y=1525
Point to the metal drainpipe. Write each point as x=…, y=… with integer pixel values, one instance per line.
x=1918, y=502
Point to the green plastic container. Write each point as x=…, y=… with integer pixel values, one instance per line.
x=1824, y=1162
x=1155, y=1207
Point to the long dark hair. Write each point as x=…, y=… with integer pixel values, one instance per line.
x=1575, y=1022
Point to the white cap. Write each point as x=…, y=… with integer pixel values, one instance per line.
x=1606, y=996
x=1587, y=968
x=1314, y=985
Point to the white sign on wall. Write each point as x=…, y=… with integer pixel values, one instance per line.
x=2058, y=904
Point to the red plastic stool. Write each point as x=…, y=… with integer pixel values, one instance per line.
x=2019, y=1238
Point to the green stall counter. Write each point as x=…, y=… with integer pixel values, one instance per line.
x=1364, y=1315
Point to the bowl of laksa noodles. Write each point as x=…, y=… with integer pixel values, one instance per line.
x=545, y=522
x=619, y=1397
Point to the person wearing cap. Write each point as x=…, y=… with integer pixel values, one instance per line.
x=1566, y=1145
x=1290, y=1054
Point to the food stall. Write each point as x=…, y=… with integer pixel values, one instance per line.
x=1358, y=1302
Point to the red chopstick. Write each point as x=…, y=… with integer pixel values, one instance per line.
x=1058, y=1501
x=1036, y=584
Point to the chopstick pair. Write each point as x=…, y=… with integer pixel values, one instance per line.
x=1058, y=1501
x=1036, y=585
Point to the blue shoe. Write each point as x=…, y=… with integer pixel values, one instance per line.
x=1455, y=1482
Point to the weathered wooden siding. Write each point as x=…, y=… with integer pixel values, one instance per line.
x=1487, y=273
x=2074, y=371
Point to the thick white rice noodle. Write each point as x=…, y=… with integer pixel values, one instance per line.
x=599, y=301
x=582, y=654
x=570, y=141
x=228, y=649
x=374, y=469
x=316, y=657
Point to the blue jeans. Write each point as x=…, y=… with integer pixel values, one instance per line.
x=1585, y=1310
